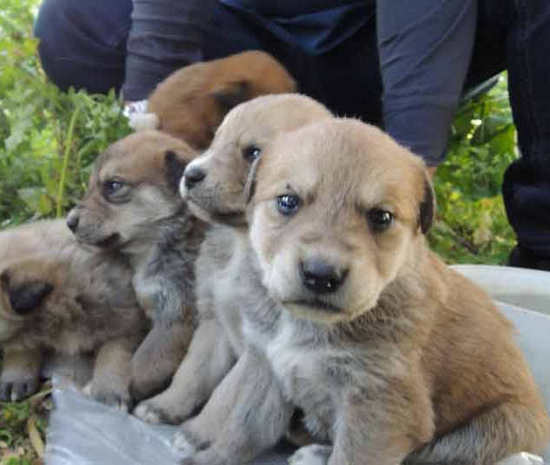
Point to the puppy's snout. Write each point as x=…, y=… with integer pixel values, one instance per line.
x=193, y=175
x=73, y=220
x=321, y=277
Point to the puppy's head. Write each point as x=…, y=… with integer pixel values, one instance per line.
x=191, y=102
x=214, y=184
x=25, y=287
x=134, y=185
x=339, y=211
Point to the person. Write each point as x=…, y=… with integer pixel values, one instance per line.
x=401, y=65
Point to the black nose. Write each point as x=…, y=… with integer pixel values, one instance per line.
x=193, y=176
x=321, y=277
x=72, y=222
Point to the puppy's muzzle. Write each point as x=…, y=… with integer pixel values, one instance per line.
x=321, y=277
x=193, y=176
x=72, y=220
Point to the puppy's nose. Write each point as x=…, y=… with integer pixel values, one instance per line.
x=321, y=277
x=193, y=176
x=72, y=221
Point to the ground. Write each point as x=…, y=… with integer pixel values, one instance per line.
x=49, y=139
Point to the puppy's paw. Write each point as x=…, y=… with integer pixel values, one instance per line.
x=117, y=397
x=13, y=391
x=314, y=454
x=147, y=412
x=184, y=444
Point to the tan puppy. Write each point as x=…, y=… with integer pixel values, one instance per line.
x=133, y=207
x=191, y=102
x=392, y=356
x=214, y=187
x=56, y=296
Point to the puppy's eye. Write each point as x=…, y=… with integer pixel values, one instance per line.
x=251, y=152
x=379, y=219
x=114, y=188
x=288, y=204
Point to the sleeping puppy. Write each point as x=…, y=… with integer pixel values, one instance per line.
x=57, y=297
x=213, y=186
x=392, y=356
x=192, y=102
x=133, y=207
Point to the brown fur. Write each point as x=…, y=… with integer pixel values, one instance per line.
x=441, y=379
x=56, y=296
x=146, y=221
x=191, y=102
x=393, y=358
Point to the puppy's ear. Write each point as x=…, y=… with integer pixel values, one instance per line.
x=427, y=208
x=231, y=95
x=26, y=297
x=174, y=167
x=250, y=186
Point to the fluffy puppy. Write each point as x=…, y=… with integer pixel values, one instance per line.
x=191, y=102
x=56, y=296
x=133, y=207
x=392, y=355
x=213, y=186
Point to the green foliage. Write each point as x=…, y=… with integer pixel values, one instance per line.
x=48, y=138
x=472, y=226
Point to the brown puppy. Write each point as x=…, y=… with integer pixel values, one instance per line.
x=191, y=102
x=213, y=187
x=56, y=296
x=392, y=356
x=132, y=206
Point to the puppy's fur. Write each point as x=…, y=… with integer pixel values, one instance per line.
x=392, y=356
x=56, y=296
x=219, y=197
x=191, y=102
x=133, y=206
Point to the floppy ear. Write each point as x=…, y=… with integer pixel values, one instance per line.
x=427, y=208
x=174, y=167
x=233, y=94
x=26, y=297
x=250, y=186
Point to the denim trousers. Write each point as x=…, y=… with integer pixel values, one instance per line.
x=84, y=44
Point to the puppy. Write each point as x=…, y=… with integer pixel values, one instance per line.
x=392, y=356
x=56, y=296
x=213, y=186
x=133, y=207
x=191, y=102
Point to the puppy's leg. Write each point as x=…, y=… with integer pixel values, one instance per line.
x=208, y=360
x=380, y=426
x=491, y=436
x=110, y=383
x=246, y=415
x=20, y=373
x=158, y=357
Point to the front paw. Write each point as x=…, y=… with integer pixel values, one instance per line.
x=314, y=454
x=13, y=391
x=184, y=444
x=114, y=396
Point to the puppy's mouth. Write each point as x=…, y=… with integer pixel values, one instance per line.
x=108, y=242
x=315, y=304
x=228, y=217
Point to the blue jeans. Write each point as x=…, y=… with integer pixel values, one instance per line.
x=83, y=43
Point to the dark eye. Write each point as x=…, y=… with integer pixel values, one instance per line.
x=251, y=152
x=380, y=219
x=288, y=204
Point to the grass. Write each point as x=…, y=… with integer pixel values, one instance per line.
x=49, y=139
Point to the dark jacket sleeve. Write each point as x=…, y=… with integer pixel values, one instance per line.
x=425, y=48
x=157, y=43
